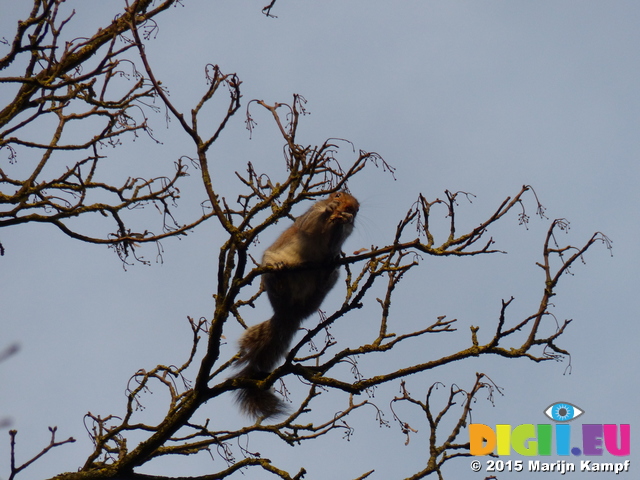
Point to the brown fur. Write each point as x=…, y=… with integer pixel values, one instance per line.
x=316, y=238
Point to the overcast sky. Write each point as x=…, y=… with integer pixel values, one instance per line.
x=478, y=96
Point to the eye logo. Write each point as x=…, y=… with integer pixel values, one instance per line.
x=563, y=412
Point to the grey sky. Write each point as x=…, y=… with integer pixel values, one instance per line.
x=479, y=96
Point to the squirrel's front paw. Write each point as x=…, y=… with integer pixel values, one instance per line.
x=276, y=265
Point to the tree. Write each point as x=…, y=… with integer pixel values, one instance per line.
x=107, y=79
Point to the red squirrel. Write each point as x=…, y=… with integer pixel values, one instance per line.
x=316, y=238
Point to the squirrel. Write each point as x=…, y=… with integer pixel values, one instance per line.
x=316, y=238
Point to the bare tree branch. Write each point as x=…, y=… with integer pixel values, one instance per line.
x=15, y=469
x=69, y=81
x=73, y=81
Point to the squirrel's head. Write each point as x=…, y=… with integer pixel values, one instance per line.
x=347, y=208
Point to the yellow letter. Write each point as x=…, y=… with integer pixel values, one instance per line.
x=504, y=436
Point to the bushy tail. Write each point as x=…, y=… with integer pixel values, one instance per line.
x=260, y=403
x=262, y=346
